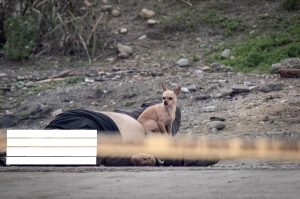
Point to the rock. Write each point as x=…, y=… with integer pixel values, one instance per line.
x=116, y=12
x=202, y=97
x=100, y=79
x=123, y=30
x=89, y=80
x=270, y=87
x=183, y=62
x=209, y=108
x=275, y=68
x=226, y=53
x=56, y=112
x=192, y=88
x=217, y=67
x=214, y=118
x=29, y=84
x=21, y=78
x=206, y=68
x=185, y=90
x=292, y=63
x=219, y=125
x=106, y=8
x=223, y=93
x=151, y=22
x=142, y=37
x=7, y=121
x=289, y=72
x=3, y=75
x=124, y=51
x=20, y=84
x=239, y=88
x=146, y=13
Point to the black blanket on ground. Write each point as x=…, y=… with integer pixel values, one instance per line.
x=83, y=119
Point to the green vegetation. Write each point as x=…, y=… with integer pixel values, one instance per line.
x=291, y=5
x=21, y=35
x=258, y=53
x=190, y=18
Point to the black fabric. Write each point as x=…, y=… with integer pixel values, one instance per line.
x=137, y=112
x=83, y=119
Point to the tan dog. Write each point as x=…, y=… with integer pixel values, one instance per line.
x=160, y=117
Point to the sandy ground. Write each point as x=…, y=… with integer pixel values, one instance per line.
x=151, y=183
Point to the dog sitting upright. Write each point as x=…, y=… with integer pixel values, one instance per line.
x=160, y=117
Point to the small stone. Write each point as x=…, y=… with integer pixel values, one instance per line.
x=116, y=12
x=124, y=51
x=3, y=75
x=56, y=112
x=192, y=88
x=21, y=78
x=219, y=125
x=270, y=87
x=106, y=8
x=226, y=53
x=142, y=37
x=240, y=89
x=275, y=68
x=89, y=80
x=20, y=84
x=202, y=97
x=183, y=62
x=146, y=13
x=151, y=22
x=185, y=90
x=100, y=79
x=206, y=68
x=209, y=108
x=29, y=84
x=123, y=30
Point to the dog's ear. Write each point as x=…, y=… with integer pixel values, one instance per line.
x=177, y=90
x=163, y=86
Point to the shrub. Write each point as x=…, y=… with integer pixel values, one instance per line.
x=21, y=33
x=291, y=5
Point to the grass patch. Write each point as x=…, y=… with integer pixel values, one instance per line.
x=189, y=19
x=258, y=53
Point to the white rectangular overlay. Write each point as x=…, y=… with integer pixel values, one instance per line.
x=51, y=147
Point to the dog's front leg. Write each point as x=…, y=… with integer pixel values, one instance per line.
x=162, y=127
x=169, y=129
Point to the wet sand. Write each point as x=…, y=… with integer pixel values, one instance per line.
x=149, y=183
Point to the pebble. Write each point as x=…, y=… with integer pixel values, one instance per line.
x=3, y=75
x=151, y=22
x=239, y=88
x=183, y=62
x=209, y=108
x=116, y=12
x=219, y=125
x=185, y=90
x=123, y=30
x=124, y=51
x=20, y=84
x=202, y=97
x=56, y=112
x=226, y=53
x=142, y=37
x=146, y=13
